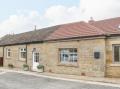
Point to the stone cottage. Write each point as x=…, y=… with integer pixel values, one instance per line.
x=89, y=49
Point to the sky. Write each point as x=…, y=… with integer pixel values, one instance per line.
x=19, y=16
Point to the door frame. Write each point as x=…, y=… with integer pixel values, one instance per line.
x=1, y=61
x=33, y=61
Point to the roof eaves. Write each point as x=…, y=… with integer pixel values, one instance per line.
x=80, y=37
x=33, y=42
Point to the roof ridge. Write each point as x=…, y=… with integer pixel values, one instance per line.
x=44, y=28
x=108, y=19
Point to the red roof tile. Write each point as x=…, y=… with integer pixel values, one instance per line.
x=109, y=26
x=70, y=30
x=79, y=29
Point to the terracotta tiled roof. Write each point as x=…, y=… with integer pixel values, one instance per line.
x=65, y=31
x=109, y=26
x=79, y=29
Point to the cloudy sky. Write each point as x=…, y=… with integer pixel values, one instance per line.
x=22, y=15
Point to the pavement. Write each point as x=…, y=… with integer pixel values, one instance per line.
x=25, y=80
x=14, y=80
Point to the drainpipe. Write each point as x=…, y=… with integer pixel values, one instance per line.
x=105, y=72
x=3, y=55
x=3, y=51
x=26, y=53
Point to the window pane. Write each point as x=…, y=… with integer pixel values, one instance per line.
x=71, y=50
x=24, y=49
x=75, y=50
x=65, y=56
x=75, y=57
x=23, y=54
x=71, y=58
x=116, y=54
x=36, y=56
x=61, y=57
x=9, y=54
x=21, y=49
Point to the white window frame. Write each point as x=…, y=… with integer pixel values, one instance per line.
x=20, y=51
x=114, y=54
x=8, y=50
x=66, y=51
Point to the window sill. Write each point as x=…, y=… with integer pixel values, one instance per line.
x=68, y=65
x=8, y=57
x=22, y=60
x=115, y=64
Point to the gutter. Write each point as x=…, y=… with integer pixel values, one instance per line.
x=76, y=37
x=33, y=42
x=80, y=37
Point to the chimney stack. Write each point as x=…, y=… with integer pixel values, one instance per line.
x=35, y=27
x=91, y=20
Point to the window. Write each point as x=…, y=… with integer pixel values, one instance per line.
x=68, y=55
x=36, y=57
x=8, y=53
x=23, y=53
x=116, y=53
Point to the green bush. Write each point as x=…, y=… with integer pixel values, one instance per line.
x=25, y=65
x=40, y=67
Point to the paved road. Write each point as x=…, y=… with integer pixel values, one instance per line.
x=11, y=80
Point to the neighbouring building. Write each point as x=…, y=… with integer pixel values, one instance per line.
x=89, y=49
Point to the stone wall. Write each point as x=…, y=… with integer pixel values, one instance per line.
x=1, y=51
x=14, y=59
x=39, y=48
x=49, y=57
x=112, y=68
x=86, y=63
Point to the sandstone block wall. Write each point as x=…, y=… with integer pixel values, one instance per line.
x=49, y=57
x=87, y=64
x=1, y=51
x=14, y=59
x=112, y=68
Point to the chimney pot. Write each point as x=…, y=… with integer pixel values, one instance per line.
x=35, y=27
x=91, y=20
